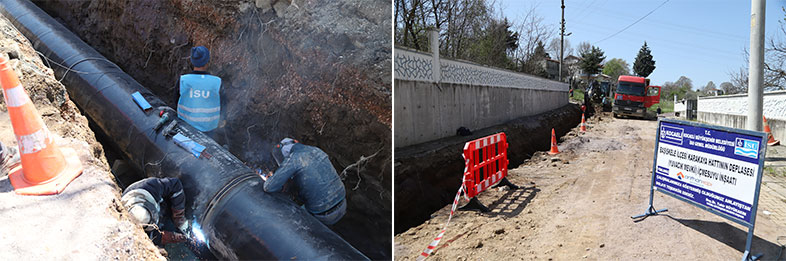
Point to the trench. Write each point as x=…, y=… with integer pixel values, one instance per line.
x=282, y=77
x=428, y=174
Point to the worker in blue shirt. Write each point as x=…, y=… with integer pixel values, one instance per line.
x=199, y=103
x=315, y=180
x=151, y=201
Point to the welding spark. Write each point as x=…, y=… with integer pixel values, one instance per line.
x=196, y=230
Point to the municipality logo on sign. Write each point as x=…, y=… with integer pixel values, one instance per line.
x=671, y=134
x=747, y=148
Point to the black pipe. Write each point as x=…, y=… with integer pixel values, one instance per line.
x=224, y=197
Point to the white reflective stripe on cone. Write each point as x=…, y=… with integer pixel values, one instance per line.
x=34, y=142
x=15, y=97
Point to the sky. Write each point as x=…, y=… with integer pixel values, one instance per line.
x=701, y=39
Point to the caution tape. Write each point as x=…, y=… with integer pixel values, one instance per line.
x=434, y=243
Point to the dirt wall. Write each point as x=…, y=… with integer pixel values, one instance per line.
x=315, y=70
x=428, y=174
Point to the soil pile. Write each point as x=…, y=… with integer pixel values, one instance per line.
x=315, y=70
x=86, y=221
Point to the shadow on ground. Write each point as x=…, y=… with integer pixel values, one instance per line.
x=513, y=202
x=732, y=236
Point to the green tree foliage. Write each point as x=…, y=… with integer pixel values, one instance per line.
x=616, y=67
x=591, y=60
x=682, y=88
x=494, y=45
x=471, y=30
x=644, y=65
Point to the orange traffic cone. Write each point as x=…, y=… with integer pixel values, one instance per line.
x=554, y=149
x=46, y=169
x=583, y=127
x=770, y=139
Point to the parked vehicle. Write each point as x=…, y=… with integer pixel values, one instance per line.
x=633, y=96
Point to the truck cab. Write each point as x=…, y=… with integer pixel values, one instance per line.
x=633, y=96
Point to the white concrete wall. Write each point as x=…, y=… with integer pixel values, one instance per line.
x=737, y=104
x=466, y=95
x=731, y=111
x=680, y=107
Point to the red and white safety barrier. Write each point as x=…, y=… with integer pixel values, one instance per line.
x=480, y=172
x=486, y=164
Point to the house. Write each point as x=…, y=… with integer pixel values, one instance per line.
x=551, y=67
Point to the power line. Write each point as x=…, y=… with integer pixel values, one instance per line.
x=642, y=18
x=681, y=27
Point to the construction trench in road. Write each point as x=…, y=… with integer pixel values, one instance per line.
x=428, y=174
x=320, y=75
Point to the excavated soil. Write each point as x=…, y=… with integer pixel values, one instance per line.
x=428, y=174
x=86, y=220
x=577, y=205
x=315, y=70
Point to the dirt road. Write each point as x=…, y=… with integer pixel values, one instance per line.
x=578, y=205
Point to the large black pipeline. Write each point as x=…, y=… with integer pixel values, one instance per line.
x=238, y=220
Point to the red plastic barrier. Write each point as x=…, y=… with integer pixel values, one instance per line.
x=486, y=162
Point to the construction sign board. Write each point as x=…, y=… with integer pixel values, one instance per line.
x=719, y=169
x=716, y=168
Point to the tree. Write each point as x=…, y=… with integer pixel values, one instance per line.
x=591, y=61
x=470, y=30
x=584, y=47
x=774, y=65
x=553, y=48
x=616, y=67
x=682, y=88
x=494, y=45
x=739, y=79
x=708, y=89
x=729, y=88
x=536, y=65
x=532, y=31
x=644, y=65
x=685, y=82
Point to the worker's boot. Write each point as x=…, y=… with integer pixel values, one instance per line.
x=9, y=158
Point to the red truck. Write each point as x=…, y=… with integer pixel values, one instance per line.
x=633, y=96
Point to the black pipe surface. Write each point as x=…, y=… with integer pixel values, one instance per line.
x=223, y=196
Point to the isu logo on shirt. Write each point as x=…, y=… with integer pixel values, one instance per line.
x=198, y=94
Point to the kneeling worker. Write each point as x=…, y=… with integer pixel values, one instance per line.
x=148, y=199
x=316, y=181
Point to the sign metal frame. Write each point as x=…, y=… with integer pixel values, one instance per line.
x=754, y=207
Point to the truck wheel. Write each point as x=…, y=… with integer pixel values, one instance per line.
x=615, y=116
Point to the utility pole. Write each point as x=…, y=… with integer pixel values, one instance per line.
x=756, y=65
x=561, y=40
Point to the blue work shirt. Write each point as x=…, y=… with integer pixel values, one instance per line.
x=199, y=103
x=317, y=182
x=168, y=193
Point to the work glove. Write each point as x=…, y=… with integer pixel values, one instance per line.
x=178, y=216
x=168, y=237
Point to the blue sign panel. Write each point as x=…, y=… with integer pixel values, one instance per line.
x=713, y=167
